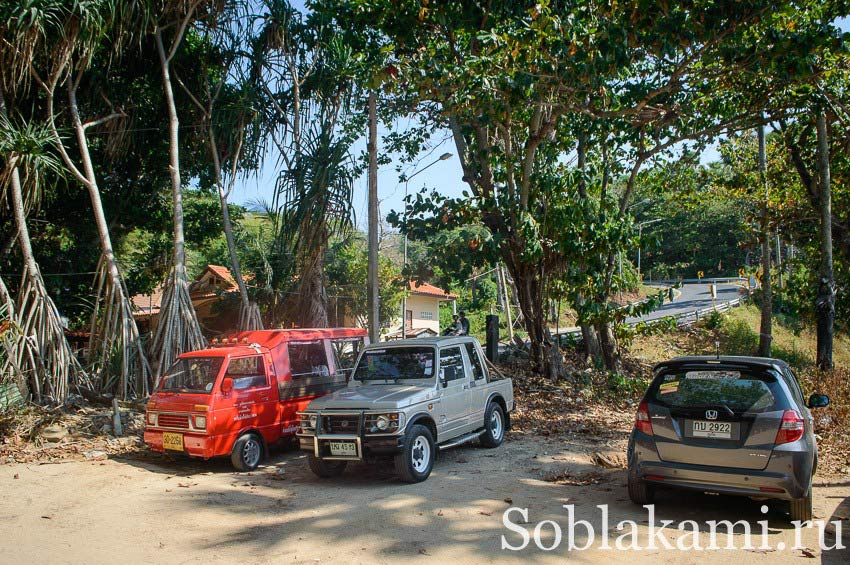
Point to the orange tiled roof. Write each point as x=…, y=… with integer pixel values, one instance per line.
x=431, y=290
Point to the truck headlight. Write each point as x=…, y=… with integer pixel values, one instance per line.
x=151, y=418
x=382, y=423
x=201, y=422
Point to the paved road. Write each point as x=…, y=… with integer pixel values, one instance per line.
x=693, y=297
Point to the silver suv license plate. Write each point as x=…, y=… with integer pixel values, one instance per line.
x=721, y=430
x=343, y=448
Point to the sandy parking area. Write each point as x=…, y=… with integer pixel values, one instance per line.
x=154, y=510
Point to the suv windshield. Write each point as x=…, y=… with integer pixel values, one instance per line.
x=194, y=374
x=393, y=363
x=696, y=388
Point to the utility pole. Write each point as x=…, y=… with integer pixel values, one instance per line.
x=372, y=273
x=825, y=302
x=766, y=331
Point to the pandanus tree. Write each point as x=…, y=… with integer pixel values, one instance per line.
x=177, y=327
x=228, y=104
x=307, y=77
x=79, y=33
x=40, y=353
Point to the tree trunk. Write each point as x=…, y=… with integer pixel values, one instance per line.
x=766, y=331
x=177, y=328
x=610, y=349
x=545, y=354
x=249, y=312
x=311, y=300
x=825, y=302
x=117, y=328
x=42, y=346
x=372, y=297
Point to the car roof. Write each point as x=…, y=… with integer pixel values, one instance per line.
x=722, y=360
x=435, y=341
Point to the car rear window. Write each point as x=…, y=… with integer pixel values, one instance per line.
x=740, y=391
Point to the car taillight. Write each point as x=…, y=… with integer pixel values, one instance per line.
x=791, y=428
x=642, y=421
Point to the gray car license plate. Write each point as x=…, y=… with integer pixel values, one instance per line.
x=704, y=428
x=343, y=448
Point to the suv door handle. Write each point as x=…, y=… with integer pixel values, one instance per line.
x=465, y=387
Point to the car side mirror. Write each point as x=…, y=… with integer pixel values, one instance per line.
x=227, y=385
x=818, y=401
x=443, y=380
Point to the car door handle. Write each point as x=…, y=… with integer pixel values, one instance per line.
x=465, y=387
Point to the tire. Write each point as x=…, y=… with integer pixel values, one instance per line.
x=494, y=426
x=324, y=468
x=640, y=492
x=247, y=452
x=414, y=463
x=801, y=508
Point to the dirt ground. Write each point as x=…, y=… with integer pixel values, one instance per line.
x=148, y=508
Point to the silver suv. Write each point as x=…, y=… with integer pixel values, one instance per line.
x=732, y=425
x=405, y=401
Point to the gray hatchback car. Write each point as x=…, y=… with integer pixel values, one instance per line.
x=732, y=425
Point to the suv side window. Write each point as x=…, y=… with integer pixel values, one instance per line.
x=451, y=363
x=247, y=372
x=474, y=361
x=345, y=351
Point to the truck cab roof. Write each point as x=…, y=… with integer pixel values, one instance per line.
x=244, y=343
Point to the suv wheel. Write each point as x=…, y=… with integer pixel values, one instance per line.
x=247, y=452
x=325, y=469
x=414, y=463
x=801, y=508
x=640, y=492
x=494, y=426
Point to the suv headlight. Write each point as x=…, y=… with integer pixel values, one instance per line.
x=314, y=420
x=385, y=423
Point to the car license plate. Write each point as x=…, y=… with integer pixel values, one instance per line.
x=719, y=430
x=343, y=448
x=172, y=441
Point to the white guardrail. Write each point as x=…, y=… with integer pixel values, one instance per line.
x=683, y=319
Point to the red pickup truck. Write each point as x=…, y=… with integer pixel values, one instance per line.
x=244, y=392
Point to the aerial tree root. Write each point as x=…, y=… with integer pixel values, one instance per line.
x=116, y=352
x=177, y=328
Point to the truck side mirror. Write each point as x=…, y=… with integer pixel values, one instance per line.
x=443, y=380
x=227, y=385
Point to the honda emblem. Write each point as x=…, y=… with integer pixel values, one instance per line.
x=711, y=414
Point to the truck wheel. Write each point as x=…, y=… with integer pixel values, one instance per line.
x=325, y=469
x=801, y=508
x=494, y=426
x=247, y=452
x=414, y=463
x=640, y=492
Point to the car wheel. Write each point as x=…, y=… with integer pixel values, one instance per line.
x=247, y=452
x=325, y=469
x=414, y=463
x=801, y=508
x=494, y=426
x=640, y=492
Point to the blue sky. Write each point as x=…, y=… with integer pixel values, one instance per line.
x=445, y=176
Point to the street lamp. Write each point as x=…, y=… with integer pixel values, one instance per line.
x=442, y=157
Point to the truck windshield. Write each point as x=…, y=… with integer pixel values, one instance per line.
x=193, y=374
x=394, y=363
